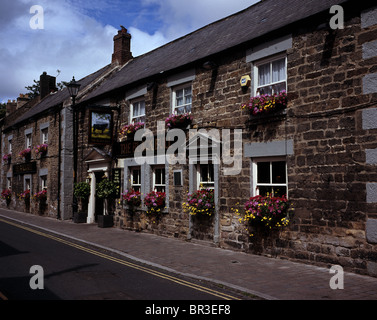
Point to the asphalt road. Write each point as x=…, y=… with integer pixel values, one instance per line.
x=73, y=271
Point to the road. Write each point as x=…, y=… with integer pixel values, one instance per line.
x=69, y=270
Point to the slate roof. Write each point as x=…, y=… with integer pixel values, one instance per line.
x=244, y=26
x=55, y=99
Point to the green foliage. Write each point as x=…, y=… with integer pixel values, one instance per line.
x=106, y=189
x=82, y=190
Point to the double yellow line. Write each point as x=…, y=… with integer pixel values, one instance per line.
x=126, y=263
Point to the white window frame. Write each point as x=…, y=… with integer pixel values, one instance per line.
x=10, y=146
x=255, y=190
x=206, y=184
x=264, y=61
x=44, y=136
x=138, y=118
x=27, y=186
x=43, y=180
x=163, y=179
x=174, y=97
x=28, y=140
x=138, y=183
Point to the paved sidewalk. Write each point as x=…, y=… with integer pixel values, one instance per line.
x=265, y=277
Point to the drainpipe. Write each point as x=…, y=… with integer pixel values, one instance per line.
x=59, y=160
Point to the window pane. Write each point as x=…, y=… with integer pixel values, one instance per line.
x=204, y=173
x=279, y=191
x=277, y=88
x=264, y=190
x=278, y=172
x=263, y=172
x=278, y=70
x=265, y=90
x=264, y=74
x=158, y=176
x=180, y=110
x=141, y=108
x=136, y=176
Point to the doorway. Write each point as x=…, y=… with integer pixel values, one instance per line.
x=99, y=176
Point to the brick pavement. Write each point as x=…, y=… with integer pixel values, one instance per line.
x=264, y=277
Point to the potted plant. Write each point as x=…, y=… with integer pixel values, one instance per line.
x=266, y=103
x=200, y=202
x=41, y=149
x=7, y=158
x=178, y=120
x=81, y=191
x=6, y=195
x=26, y=154
x=129, y=130
x=106, y=190
x=155, y=203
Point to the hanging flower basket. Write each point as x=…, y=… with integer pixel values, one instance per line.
x=25, y=195
x=40, y=196
x=129, y=130
x=7, y=158
x=200, y=202
x=132, y=199
x=26, y=153
x=266, y=103
x=270, y=213
x=155, y=202
x=6, y=195
x=178, y=120
x=41, y=149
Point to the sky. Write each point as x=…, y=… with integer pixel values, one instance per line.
x=76, y=36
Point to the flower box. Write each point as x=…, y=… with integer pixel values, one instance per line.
x=40, y=196
x=155, y=202
x=25, y=195
x=6, y=195
x=178, y=120
x=129, y=130
x=7, y=158
x=26, y=153
x=265, y=104
x=132, y=198
x=41, y=149
x=269, y=212
x=200, y=202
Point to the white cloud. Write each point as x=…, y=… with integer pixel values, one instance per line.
x=77, y=43
x=182, y=17
x=70, y=41
x=143, y=42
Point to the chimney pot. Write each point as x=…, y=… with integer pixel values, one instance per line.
x=122, y=47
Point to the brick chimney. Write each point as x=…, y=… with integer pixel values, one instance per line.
x=47, y=84
x=122, y=47
x=11, y=107
x=22, y=100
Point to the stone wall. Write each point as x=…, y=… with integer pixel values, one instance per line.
x=45, y=165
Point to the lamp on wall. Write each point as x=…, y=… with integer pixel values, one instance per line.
x=73, y=89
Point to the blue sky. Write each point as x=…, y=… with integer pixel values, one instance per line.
x=77, y=35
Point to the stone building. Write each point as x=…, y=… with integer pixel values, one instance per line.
x=319, y=149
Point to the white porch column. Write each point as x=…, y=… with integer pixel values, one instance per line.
x=92, y=199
